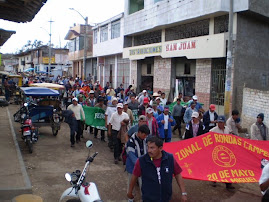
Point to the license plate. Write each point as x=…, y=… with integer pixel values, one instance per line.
x=26, y=133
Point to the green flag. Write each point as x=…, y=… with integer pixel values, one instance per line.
x=95, y=117
x=135, y=114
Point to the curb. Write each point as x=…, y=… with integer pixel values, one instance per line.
x=10, y=193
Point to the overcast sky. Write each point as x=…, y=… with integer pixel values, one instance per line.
x=58, y=11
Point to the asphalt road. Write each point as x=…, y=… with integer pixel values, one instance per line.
x=52, y=157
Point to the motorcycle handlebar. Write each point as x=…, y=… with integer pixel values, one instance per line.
x=90, y=159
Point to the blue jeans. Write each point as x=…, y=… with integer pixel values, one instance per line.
x=166, y=138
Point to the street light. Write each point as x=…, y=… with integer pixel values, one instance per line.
x=49, y=69
x=85, y=42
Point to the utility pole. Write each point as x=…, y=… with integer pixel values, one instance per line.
x=49, y=69
x=85, y=43
x=229, y=63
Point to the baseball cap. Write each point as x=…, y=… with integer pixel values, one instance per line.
x=213, y=107
x=119, y=105
x=146, y=100
x=114, y=99
x=75, y=99
x=194, y=97
x=221, y=119
x=142, y=118
x=149, y=110
x=158, y=98
x=125, y=103
x=144, y=91
x=195, y=115
x=91, y=92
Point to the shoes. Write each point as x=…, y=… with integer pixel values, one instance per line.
x=116, y=161
x=103, y=140
x=120, y=159
x=230, y=186
x=81, y=136
x=72, y=145
x=95, y=137
x=78, y=141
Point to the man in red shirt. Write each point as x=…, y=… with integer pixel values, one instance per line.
x=156, y=168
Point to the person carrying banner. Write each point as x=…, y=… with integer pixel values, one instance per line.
x=258, y=130
x=234, y=122
x=135, y=148
x=195, y=127
x=101, y=105
x=109, y=111
x=210, y=118
x=165, y=123
x=156, y=169
x=117, y=120
x=222, y=129
x=80, y=117
x=264, y=183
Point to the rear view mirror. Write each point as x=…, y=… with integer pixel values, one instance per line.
x=89, y=144
x=25, y=104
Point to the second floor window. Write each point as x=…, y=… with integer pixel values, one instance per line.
x=95, y=36
x=104, y=33
x=115, y=29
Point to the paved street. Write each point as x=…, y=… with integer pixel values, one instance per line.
x=53, y=157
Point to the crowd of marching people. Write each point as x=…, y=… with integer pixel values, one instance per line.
x=138, y=143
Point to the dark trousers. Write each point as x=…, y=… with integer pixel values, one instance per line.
x=7, y=95
x=178, y=125
x=72, y=135
x=102, y=133
x=116, y=144
x=265, y=197
x=80, y=129
x=166, y=139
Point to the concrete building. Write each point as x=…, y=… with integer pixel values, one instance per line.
x=108, y=48
x=180, y=46
x=11, y=64
x=38, y=59
x=75, y=36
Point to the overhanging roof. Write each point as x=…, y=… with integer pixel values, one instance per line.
x=20, y=10
x=5, y=35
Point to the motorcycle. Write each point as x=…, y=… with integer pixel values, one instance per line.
x=86, y=192
x=28, y=132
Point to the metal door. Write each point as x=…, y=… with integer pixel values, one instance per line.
x=218, y=76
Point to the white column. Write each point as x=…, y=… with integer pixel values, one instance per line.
x=104, y=75
x=116, y=72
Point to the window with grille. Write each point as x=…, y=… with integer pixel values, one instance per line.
x=104, y=33
x=221, y=24
x=195, y=29
x=115, y=29
x=95, y=32
x=148, y=38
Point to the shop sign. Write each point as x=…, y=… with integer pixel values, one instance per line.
x=46, y=60
x=184, y=45
x=147, y=50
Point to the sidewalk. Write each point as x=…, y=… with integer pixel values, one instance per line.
x=15, y=180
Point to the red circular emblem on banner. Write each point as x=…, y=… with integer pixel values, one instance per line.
x=224, y=157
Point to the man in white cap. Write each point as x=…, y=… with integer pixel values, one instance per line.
x=155, y=95
x=144, y=95
x=198, y=106
x=79, y=113
x=109, y=111
x=117, y=119
x=195, y=127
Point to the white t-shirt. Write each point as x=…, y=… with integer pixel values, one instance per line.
x=116, y=120
x=163, y=102
x=78, y=111
x=212, y=117
x=109, y=111
x=265, y=176
x=166, y=117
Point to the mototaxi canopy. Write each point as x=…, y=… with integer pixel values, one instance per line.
x=39, y=92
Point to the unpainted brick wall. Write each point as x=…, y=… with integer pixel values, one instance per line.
x=254, y=102
x=203, y=81
x=162, y=75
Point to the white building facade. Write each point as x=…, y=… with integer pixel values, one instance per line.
x=108, y=49
x=180, y=46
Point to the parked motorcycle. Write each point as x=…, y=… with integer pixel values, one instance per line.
x=28, y=132
x=86, y=192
